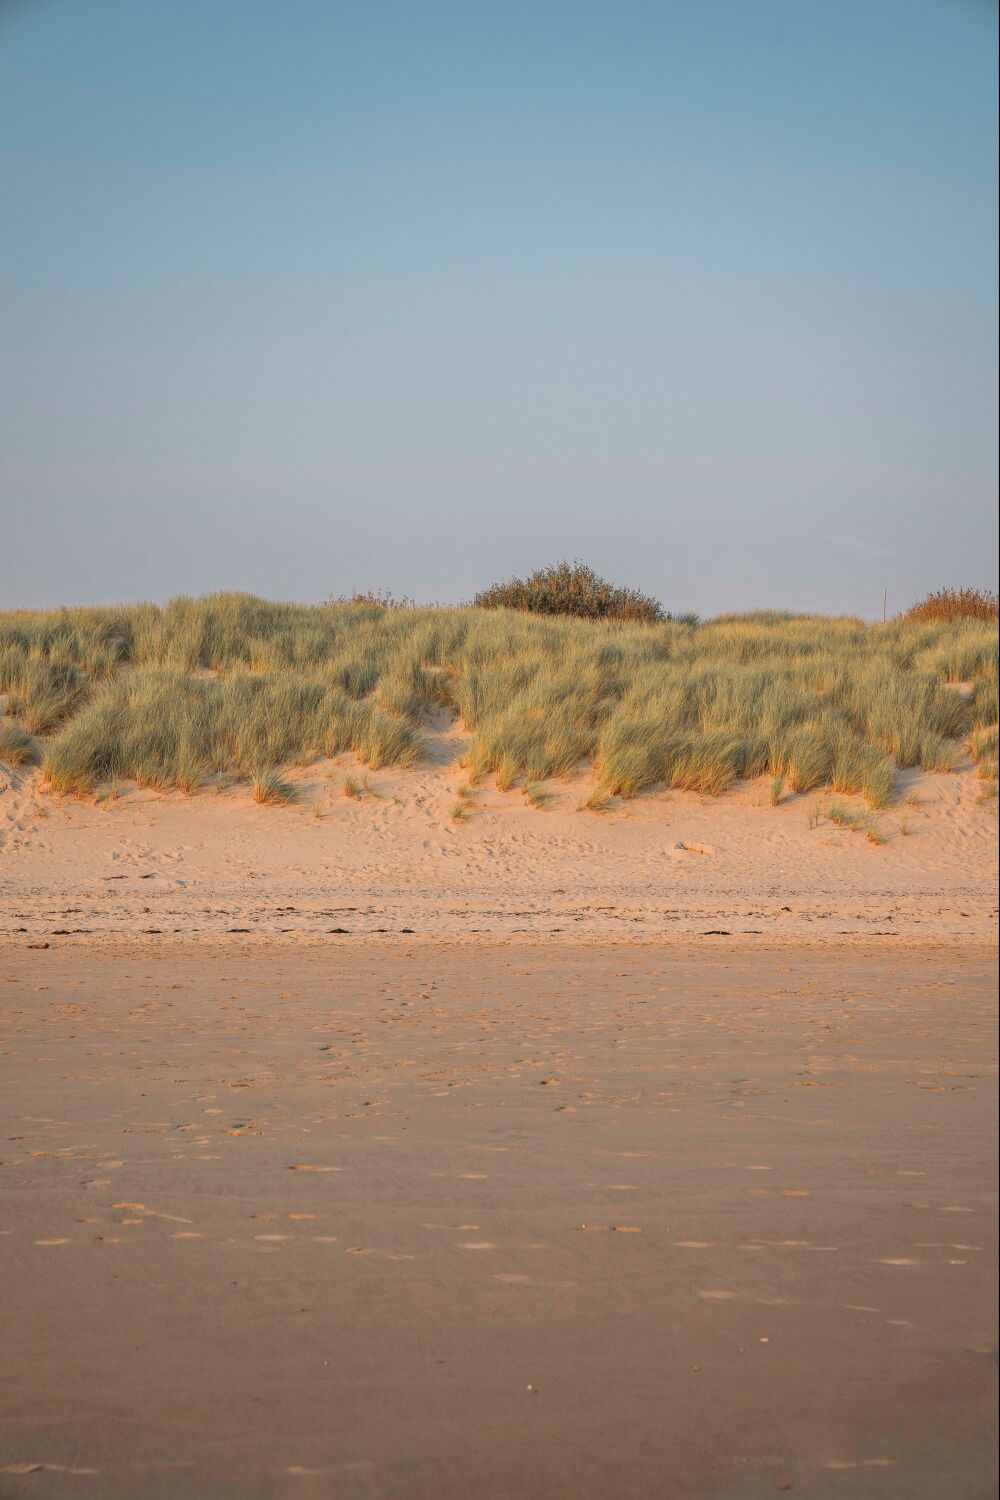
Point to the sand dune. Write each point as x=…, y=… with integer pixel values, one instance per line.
x=663, y=863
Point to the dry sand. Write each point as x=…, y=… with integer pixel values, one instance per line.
x=385, y=1219
x=667, y=864
x=648, y=1153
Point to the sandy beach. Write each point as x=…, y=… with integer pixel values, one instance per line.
x=388, y=1217
x=665, y=864
x=355, y=1150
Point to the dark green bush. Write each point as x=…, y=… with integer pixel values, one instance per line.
x=572, y=589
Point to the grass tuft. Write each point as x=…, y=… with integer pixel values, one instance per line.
x=878, y=784
x=190, y=771
x=597, y=802
x=842, y=816
x=270, y=788
x=17, y=748
x=984, y=743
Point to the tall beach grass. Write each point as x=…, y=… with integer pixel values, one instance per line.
x=231, y=684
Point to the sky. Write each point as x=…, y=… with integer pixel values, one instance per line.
x=308, y=297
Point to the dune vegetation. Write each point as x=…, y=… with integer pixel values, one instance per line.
x=576, y=590
x=956, y=604
x=234, y=685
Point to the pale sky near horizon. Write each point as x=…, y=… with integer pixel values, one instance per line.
x=311, y=297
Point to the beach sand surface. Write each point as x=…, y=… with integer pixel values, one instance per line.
x=665, y=864
x=378, y=1219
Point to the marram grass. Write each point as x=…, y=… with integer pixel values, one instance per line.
x=170, y=696
x=16, y=747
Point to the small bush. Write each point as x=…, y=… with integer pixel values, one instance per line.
x=955, y=604
x=382, y=599
x=572, y=589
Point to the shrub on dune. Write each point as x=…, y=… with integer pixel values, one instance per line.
x=571, y=589
x=955, y=604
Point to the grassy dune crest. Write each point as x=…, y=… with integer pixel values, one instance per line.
x=230, y=683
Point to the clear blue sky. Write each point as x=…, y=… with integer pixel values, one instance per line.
x=305, y=297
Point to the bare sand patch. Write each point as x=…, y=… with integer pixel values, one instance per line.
x=794, y=1293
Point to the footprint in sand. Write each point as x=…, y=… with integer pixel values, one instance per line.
x=382, y=1254
x=860, y=1463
